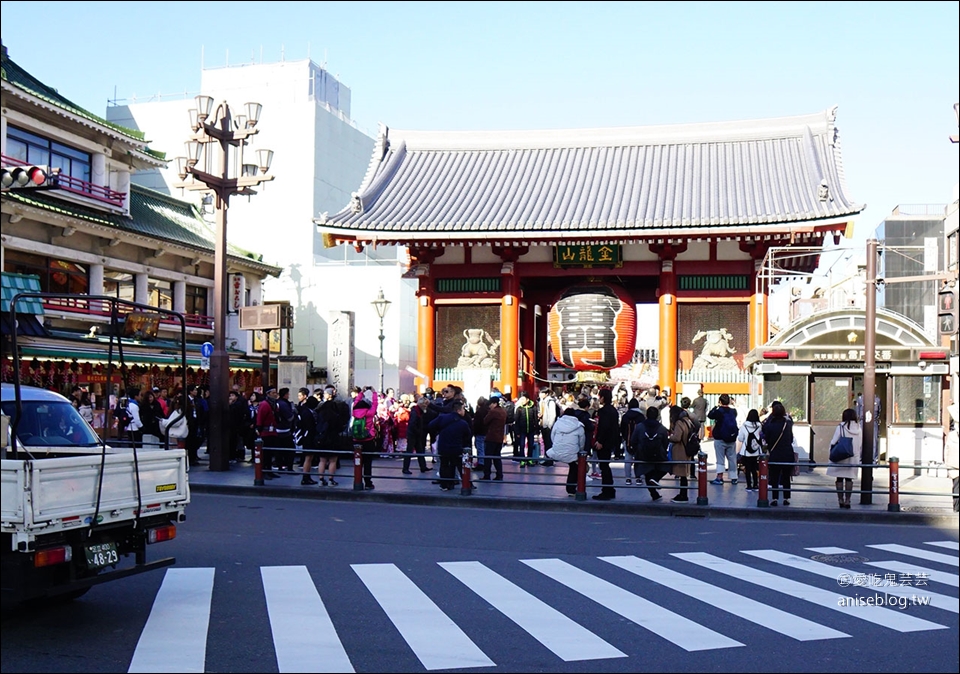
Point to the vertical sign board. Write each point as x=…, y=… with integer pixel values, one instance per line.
x=292, y=374
x=340, y=352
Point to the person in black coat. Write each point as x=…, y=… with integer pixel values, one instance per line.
x=453, y=434
x=649, y=444
x=606, y=443
x=238, y=421
x=777, y=433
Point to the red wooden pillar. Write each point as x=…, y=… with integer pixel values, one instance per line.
x=426, y=333
x=528, y=342
x=510, y=331
x=668, y=328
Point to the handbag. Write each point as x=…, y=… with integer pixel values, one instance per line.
x=176, y=430
x=842, y=449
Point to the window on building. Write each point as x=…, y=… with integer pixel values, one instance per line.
x=119, y=284
x=916, y=399
x=160, y=294
x=196, y=300
x=33, y=149
x=56, y=276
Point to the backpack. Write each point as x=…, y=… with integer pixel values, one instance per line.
x=122, y=415
x=358, y=429
x=692, y=448
x=510, y=409
x=753, y=445
x=726, y=429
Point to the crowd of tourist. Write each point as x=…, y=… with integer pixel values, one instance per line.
x=309, y=436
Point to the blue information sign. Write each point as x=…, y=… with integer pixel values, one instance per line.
x=206, y=349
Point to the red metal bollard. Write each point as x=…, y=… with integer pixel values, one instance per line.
x=894, y=505
x=763, y=500
x=466, y=485
x=702, y=479
x=357, y=467
x=581, y=476
x=258, y=462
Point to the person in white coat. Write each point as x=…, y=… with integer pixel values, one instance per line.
x=845, y=471
x=568, y=439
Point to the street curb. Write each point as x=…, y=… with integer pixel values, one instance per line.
x=569, y=505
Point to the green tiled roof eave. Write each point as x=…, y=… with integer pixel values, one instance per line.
x=14, y=284
x=23, y=80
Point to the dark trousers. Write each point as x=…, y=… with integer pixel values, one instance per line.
x=421, y=459
x=573, y=474
x=525, y=444
x=547, y=442
x=689, y=470
x=654, y=475
x=192, y=444
x=606, y=473
x=779, y=476
x=492, y=452
x=448, y=469
x=368, y=450
x=751, y=471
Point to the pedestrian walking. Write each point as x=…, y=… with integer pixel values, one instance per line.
x=606, y=443
x=649, y=443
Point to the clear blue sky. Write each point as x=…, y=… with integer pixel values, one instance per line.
x=891, y=67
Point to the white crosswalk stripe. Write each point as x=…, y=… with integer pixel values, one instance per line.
x=914, y=570
x=949, y=545
x=566, y=638
x=175, y=636
x=432, y=635
x=918, y=552
x=815, y=595
x=826, y=570
x=292, y=602
x=748, y=609
x=685, y=633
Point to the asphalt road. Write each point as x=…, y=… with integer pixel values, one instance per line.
x=274, y=584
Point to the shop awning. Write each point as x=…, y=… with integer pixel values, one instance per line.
x=130, y=357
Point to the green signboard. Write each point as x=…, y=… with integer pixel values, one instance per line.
x=588, y=256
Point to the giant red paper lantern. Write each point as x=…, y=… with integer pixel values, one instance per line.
x=593, y=327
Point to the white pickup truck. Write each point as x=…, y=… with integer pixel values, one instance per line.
x=75, y=511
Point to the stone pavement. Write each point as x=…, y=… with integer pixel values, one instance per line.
x=926, y=497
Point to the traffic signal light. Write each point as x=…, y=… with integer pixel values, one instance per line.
x=29, y=177
x=947, y=310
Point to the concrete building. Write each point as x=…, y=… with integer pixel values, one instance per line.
x=320, y=157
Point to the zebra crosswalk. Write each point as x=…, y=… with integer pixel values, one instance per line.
x=175, y=635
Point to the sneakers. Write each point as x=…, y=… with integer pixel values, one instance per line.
x=407, y=472
x=333, y=483
x=656, y=498
x=306, y=479
x=773, y=502
x=369, y=486
x=716, y=480
x=595, y=475
x=603, y=497
x=733, y=481
x=628, y=481
x=786, y=501
x=680, y=498
x=652, y=483
x=445, y=488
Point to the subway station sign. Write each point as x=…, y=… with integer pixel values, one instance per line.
x=587, y=256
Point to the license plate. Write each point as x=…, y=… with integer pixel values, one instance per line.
x=101, y=554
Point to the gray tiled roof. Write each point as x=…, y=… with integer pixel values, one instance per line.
x=772, y=173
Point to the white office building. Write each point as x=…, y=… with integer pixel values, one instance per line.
x=320, y=158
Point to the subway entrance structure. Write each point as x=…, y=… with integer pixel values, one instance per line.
x=501, y=226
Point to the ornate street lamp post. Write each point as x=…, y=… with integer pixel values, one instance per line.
x=212, y=140
x=381, y=304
